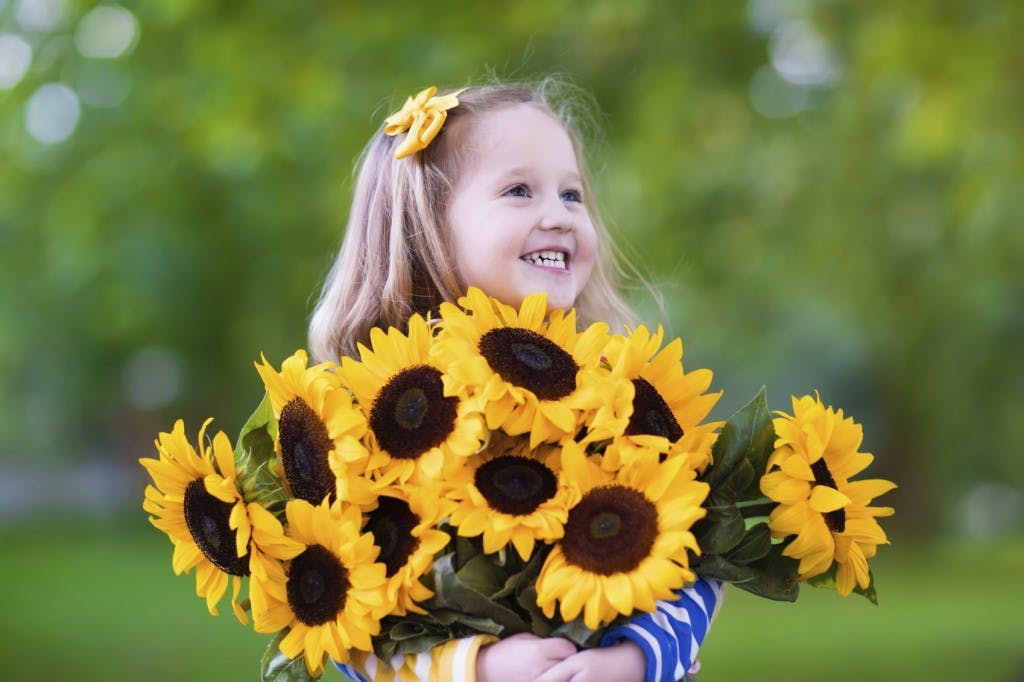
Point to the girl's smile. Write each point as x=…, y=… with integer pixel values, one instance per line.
x=558, y=260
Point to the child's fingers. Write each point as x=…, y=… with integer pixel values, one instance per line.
x=557, y=648
x=563, y=671
x=521, y=657
x=623, y=662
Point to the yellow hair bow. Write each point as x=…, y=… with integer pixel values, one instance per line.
x=423, y=116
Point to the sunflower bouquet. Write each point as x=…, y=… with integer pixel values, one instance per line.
x=498, y=471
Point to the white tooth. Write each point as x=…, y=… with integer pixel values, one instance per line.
x=551, y=259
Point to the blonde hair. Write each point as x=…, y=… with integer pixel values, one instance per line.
x=396, y=257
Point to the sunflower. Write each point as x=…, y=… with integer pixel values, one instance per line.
x=331, y=595
x=816, y=453
x=626, y=540
x=531, y=375
x=512, y=493
x=666, y=405
x=318, y=431
x=195, y=500
x=415, y=430
x=404, y=526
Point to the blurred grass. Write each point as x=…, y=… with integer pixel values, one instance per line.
x=99, y=602
x=946, y=612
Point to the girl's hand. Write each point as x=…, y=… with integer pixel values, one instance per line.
x=521, y=657
x=623, y=662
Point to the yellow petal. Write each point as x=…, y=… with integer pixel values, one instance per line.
x=825, y=499
x=523, y=542
x=781, y=488
x=619, y=592
x=797, y=467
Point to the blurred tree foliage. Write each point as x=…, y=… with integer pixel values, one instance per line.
x=828, y=195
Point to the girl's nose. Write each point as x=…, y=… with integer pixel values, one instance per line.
x=556, y=216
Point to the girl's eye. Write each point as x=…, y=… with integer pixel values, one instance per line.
x=572, y=195
x=518, y=191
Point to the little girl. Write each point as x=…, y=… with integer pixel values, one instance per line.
x=487, y=187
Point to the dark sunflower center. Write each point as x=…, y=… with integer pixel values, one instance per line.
x=527, y=359
x=835, y=520
x=651, y=414
x=207, y=521
x=305, y=443
x=411, y=414
x=611, y=530
x=515, y=485
x=317, y=586
x=392, y=523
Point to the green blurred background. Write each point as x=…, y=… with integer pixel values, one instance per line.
x=827, y=195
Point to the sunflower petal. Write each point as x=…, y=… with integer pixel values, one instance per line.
x=825, y=499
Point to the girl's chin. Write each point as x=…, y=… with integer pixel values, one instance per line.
x=559, y=285
x=560, y=301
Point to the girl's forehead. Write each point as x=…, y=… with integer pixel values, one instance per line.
x=519, y=130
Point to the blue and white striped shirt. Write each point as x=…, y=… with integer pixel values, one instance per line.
x=671, y=636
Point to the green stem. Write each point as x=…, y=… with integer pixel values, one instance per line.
x=754, y=503
x=744, y=504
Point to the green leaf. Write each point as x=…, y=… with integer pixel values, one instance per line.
x=415, y=632
x=757, y=458
x=773, y=576
x=756, y=544
x=254, y=458
x=739, y=480
x=540, y=624
x=525, y=576
x=481, y=576
x=719, y=531
x=747, y=435
x=526, y=596
x=579, y=634
x=776, y=577
x=417, y=645
x=470, y=591
x=406, y=629
x=414, y=636
x=473, y=593
x=276, y=667
x=260, y=426
x=827, y=580
x=718, y=567
x=868, y=593
x=465, y=548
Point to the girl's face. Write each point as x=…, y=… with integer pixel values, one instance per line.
x=517, y=214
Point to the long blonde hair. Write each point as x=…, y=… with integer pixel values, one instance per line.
x=396, y=258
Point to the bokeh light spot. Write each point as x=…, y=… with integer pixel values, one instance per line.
x=766, y=15
x=107, y=32
x=802, y=56
x=40, y=15
x=52, y=113
x=15, y=58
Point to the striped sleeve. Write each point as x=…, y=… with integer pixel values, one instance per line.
x=671, y=636
x=453, y=661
